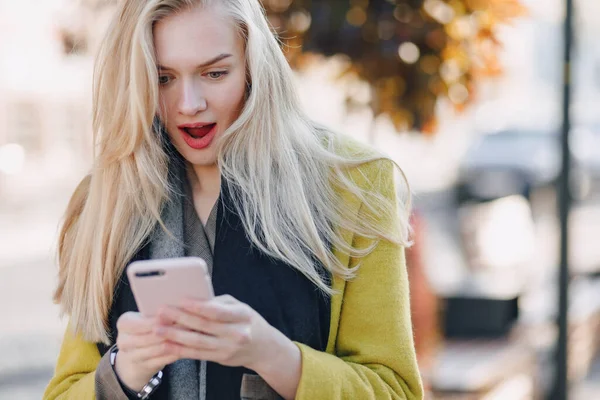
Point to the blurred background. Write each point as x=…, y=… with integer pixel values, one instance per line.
x=464, y=94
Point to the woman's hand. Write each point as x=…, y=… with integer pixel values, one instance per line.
x=229, y=332
x=223, y=330
x=141, y=352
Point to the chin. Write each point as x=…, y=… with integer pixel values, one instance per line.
x=204, y=158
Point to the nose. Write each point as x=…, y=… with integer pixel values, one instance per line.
x=192, y=100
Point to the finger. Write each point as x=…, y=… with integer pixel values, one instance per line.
x=160, y=362
x=145, y=354
x=221, y=356
x=165, y=318
x=129, y=342
x=134, y=322
x=181, y=319
x=170, y=316
x=198, y=354
x=227, y=312
x=186, y=338
x=191, y=304
x=226, y=299
x=222, y=310
x=178, y=318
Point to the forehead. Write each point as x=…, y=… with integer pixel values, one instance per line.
x=193, y=36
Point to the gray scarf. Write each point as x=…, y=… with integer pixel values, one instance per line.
x=187, y=378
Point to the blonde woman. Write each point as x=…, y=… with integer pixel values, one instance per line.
x=203, y=150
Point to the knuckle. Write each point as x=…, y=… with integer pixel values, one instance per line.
x=126, y=321
x=243, y=337
x=218, y=313
x=122, y=322
x=122, y=344
x=181, y=318
x=186, y=321
x=204, y=325
x=197, y=341
x=165, y=348
x=196, y=324
x=229, y=356
x=211, y=345
x=246, y=312
x=176, y=350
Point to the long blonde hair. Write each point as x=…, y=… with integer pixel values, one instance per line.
x=285, y=173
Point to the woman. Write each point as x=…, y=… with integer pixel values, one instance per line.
x=203, y=150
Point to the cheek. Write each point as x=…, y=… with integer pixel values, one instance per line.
x=231, y=100
x=165, y=108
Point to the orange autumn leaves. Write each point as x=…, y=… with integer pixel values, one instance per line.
x=411, y=52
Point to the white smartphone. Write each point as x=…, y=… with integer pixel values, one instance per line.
x=168, y=281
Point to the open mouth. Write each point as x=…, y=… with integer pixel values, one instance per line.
x=199, y=132
x=198, y=137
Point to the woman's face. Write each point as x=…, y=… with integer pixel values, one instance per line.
x=202, y=80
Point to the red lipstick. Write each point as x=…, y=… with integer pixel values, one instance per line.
x=198, y=135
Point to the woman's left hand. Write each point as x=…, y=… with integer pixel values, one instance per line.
x=222, y=330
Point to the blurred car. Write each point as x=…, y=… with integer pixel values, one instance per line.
x=518, y=162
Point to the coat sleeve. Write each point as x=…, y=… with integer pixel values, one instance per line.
x=74, y=374
x=82, y=374
x=374, y=351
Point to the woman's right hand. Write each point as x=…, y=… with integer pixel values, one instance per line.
x=141, y=353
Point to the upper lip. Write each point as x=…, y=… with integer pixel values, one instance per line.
x=195, y=125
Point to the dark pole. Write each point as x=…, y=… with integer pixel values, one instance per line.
x=561, y=386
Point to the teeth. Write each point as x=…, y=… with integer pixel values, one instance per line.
x=197, y=127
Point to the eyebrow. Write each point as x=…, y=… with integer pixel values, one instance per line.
x=203, y=65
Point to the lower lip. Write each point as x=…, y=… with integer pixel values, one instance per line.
x=199, y=143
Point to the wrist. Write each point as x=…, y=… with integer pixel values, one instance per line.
x=278, y=354
x=280, y=364
x=132, y=380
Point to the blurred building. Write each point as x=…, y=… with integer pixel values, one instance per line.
x=45, y=135
x=529, y=94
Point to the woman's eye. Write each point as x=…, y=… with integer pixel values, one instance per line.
x=163, y=79
x=217, y=74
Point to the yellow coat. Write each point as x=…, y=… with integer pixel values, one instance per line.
x=370, y=351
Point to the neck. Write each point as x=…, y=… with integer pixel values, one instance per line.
x=205, y=179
